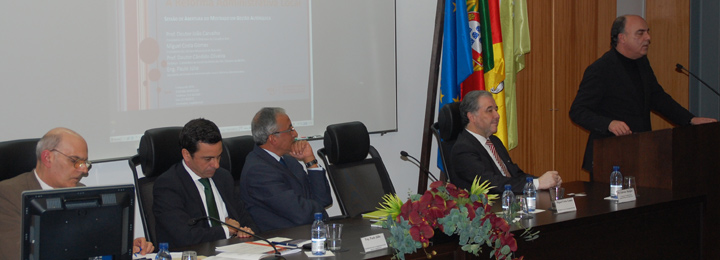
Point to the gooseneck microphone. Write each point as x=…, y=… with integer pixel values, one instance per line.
x=405, y=155
x=680, y=68
x=277, y=255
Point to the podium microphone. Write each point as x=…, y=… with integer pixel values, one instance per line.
x=680, y=68
x=405, y=155
x=277, y=255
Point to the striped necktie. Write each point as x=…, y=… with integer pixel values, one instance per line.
x=503, y=169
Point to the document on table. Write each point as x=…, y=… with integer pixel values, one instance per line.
x=252, y=250
x=174, y=255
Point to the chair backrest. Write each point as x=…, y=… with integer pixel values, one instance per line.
x=17, y=157
x=159, y=149
x=355, y=177
x=446, y=131
x=235, y=149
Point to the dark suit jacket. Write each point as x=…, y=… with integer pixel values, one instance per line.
x=278, y=196
x=10, y=212
x=470, y=159
x=603, y=97
x=176, y=201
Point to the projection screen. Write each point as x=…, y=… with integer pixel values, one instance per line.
x=112, y=69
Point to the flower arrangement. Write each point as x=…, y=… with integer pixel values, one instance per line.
x=453, y=211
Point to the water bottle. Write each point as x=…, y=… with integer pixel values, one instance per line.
x=318, y=234
x=163, y=253
x=508, y=197
x=530, y=194
x=616, y=179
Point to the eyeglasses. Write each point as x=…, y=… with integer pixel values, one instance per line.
x=77, y=162
x=286, y=131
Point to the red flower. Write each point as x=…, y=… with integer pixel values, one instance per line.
x=422, y=232
x=437, y=184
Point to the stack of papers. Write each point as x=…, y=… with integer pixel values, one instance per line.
x=252, y=250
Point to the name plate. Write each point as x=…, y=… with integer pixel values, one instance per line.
x=565, y=205
x=374, y=242
x=626, y=195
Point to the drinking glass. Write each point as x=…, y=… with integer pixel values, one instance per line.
x=334, y=236
x=556, y=193
x=189, y=255
x=630, y=182
x=523, y=205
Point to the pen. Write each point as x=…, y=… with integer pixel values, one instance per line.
x=284, y=244
x=136, y=254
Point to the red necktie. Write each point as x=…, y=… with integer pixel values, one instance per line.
x=503, y=169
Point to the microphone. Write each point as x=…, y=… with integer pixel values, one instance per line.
x=405, y=155
x=680, y=68
x=277, y=255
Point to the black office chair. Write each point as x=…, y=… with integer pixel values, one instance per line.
x=158, y=150
x=359, y=182
x=17, y=157
x=235, y=149
x=446, y=131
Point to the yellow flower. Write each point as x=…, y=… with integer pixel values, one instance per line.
x=479, y=189
x=391, y=205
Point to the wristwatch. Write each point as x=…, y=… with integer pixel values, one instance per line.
x=311, y=163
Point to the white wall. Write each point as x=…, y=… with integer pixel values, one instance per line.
x=415, y=22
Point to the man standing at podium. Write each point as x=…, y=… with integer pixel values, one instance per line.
x=619, y=90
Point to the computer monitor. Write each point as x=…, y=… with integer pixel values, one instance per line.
x=78, y=223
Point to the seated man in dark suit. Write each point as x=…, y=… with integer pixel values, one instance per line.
x=62, y=160
x=478, y=152
x=279, y=193
x=197, y=187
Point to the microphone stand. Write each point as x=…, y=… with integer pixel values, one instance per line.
x=277, y=255
x=680, y=68
x=406, y=155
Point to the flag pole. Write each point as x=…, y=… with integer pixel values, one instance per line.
x=431, y=96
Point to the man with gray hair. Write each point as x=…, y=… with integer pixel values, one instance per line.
x=478, y=152
x=62, y=160
x=618, y=91
x=278, y=191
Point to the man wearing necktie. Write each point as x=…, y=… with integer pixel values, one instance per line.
x=278, y=191
x=196, y=187
x=478, y=152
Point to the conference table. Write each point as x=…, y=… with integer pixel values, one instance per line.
x=660, y=224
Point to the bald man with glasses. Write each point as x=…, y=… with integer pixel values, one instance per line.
x=278, y=191
x=62, y=161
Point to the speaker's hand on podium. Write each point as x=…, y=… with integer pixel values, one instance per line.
x=702, y=120
x=619, y=128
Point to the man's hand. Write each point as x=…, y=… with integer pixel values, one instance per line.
x=234, y=231
x=246, y=229
x=619, y=128
x=702, y=120
x=548, y=180
x=302, y=150
x=142, y=246
x=231, y=223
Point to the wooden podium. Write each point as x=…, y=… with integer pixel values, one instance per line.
x=683, y=159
